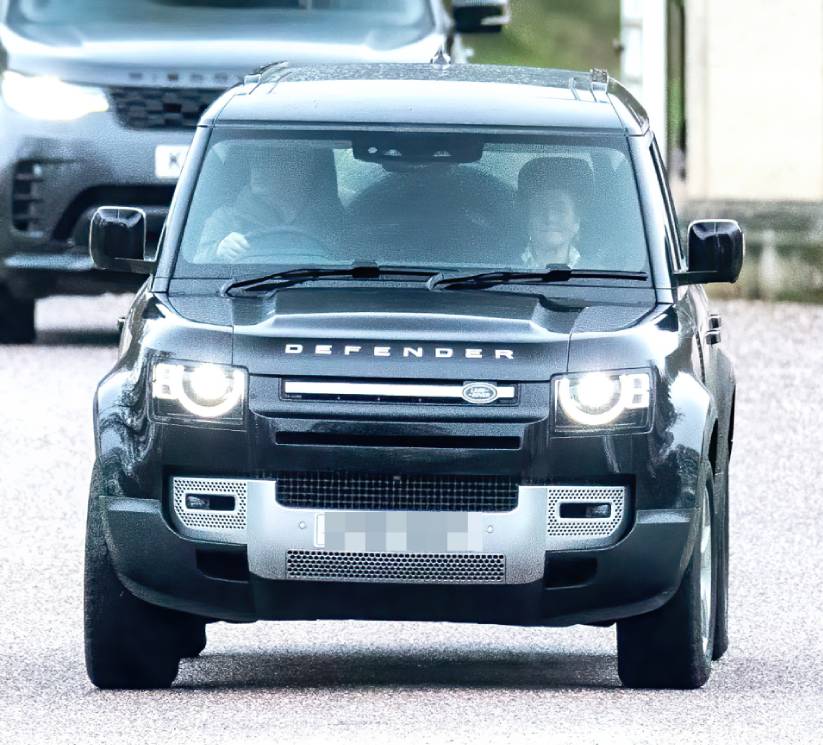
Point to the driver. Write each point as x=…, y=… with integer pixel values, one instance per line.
x=285, y=190
x=551, y=192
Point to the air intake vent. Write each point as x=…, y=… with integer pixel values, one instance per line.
x=584, y=516
x=396, y=567
x=200, y=508
x=409, y=492
x=27, y=197
x=161, y=108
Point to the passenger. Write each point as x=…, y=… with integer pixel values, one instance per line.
x=552, y=193
x=294, y=190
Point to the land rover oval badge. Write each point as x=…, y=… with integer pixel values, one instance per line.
x=479, y=393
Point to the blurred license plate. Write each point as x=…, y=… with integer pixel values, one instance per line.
x=168, y=160
x=435, y=532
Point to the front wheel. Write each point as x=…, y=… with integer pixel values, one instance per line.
x=129, y=643
x=16, y=318
x=721, y=625
x=672, y=646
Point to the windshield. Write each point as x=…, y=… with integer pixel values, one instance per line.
x=197, y=13
x=450, y=201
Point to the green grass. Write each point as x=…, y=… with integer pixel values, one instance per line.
x=576, y=34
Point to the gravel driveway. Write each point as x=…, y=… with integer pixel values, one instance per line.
x=370, y=682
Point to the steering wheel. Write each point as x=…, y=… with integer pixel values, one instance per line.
x=322, y=254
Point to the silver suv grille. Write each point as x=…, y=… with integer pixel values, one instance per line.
x=161, y=108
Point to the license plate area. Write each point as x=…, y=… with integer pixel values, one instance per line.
x=169, y=160
x=514, y=542
x=418, y=532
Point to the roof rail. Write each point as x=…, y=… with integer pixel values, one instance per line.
x=441, y=57
x=266, y=73
x=600, y=78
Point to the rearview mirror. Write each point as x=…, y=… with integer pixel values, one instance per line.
x=480, y=16
x=716, y=251
x=117, y=240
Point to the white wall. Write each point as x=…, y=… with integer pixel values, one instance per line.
x=754, y=99
x=643, y=61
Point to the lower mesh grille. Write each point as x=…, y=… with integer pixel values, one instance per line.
x=411, y=492
x=397, y=567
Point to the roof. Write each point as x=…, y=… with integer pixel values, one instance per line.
x=433, y=94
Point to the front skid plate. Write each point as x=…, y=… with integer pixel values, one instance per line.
x=273, y=530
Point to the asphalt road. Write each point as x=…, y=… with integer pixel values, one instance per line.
x=369, y=682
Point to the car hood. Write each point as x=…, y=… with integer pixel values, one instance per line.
x=415, y=333
x=105, y=53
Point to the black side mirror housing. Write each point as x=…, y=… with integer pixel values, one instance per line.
x=480, y=16
x=117, y=240
x=716, y=252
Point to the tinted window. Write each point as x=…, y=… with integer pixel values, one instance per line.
x=452, y=201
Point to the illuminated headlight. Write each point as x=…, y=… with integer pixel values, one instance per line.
x=199, y=391
x=602, y=400
x=50, y=99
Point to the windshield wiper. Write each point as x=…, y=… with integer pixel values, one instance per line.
x=291, y=277
x=489, y=279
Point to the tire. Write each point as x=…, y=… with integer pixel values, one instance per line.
x=672, y=646
x=16, y=319
x=721, y=627
x=195, y=642
x=128, y=643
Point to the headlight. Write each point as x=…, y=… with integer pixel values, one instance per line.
x=198, y=391
x=602, y=400
x=44, y=97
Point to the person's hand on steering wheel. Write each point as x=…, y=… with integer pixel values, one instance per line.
x=232, y=247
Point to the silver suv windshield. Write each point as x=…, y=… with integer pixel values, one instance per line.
x=193, y=15
x=450, y=201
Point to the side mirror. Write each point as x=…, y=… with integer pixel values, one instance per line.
x=117, y=240
x=716, y=251
x=480, y=16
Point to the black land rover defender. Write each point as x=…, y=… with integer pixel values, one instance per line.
x=99, y=100
x=420, y=342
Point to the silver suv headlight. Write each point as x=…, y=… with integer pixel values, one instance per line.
x=198, y=391
x=596, y=401
x=48, y=98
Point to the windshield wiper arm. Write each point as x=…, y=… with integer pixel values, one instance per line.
x=489, y=279
x=290, y=277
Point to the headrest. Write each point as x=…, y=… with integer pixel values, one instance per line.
x=573, y=174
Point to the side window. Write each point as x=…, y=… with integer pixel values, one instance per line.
x=676, y=247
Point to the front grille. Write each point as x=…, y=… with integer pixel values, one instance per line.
x=161, y=108
x=27, y=197
x=410, y=492
x=463, y=568
x=396, y=391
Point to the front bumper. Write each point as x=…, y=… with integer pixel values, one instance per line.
x=53, y=175
x=249, y=582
